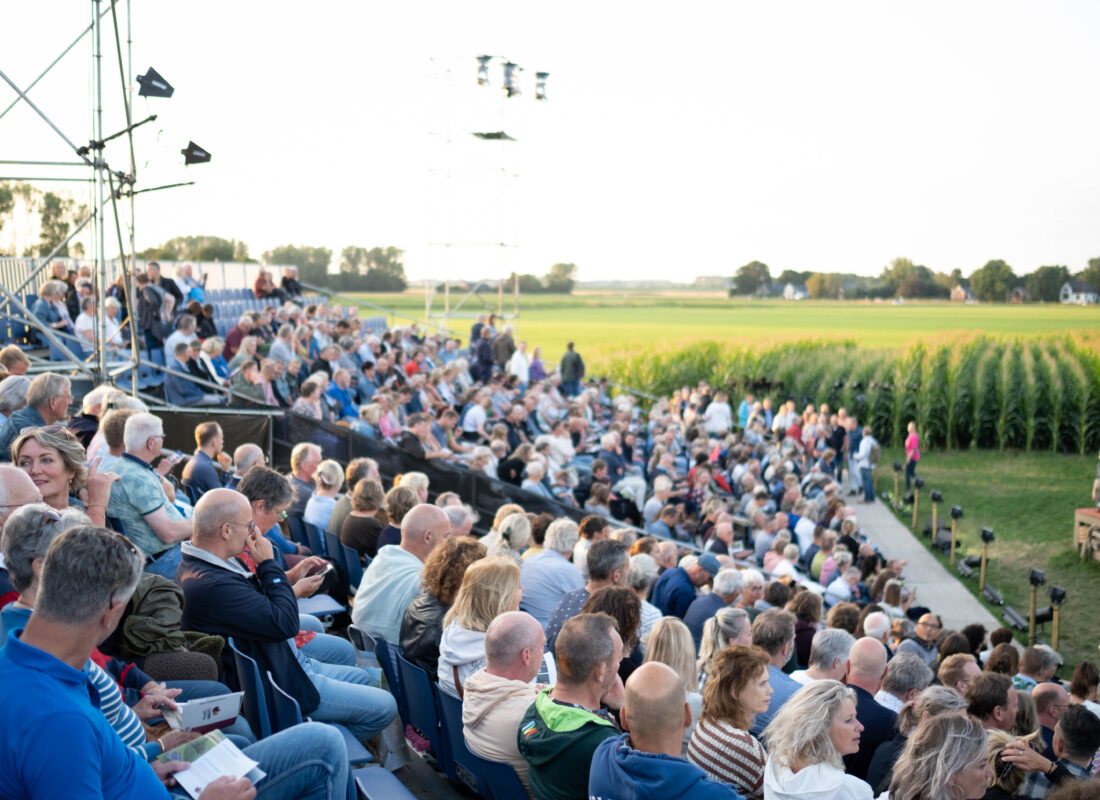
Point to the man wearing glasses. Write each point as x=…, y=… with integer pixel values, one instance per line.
x=260, y=611
x=923, y=643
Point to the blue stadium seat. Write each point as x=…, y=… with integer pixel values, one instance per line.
x=286, y=713
x=375, y=783
x=423, y=714
x=315, y=538
x=255, y=702
x=491, y=779
x=388, y=662
x=354, y=568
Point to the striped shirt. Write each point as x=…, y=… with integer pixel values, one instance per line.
x=121, y=717
x=729, y=755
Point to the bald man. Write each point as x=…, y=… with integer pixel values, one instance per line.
x=644, y=763
x=496, y=698
x=1051, y=702
x=393, y=578
x=866, y=669
x=260, y=612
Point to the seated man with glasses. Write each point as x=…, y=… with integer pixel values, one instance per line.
x=260, y=612
x=138, y=499
x=923, y=642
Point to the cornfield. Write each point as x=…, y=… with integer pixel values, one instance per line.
x=1040, y=394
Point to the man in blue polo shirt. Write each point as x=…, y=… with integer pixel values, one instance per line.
x=204, y=472
x=674, y=591
x=59, y=744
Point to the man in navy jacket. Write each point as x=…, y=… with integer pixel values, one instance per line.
x=260, y=612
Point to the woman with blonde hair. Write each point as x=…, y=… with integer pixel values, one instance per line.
x=246, y=352
x=55, y=461
x=729, y=626
x=417, y=481
x=931, y=702
x=492, y=539
x=670, y=643
x=721, y=744
x=807, y=741
x=327, y=481
x=946, y=758
x=489, y=588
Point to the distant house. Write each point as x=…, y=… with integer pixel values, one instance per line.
x=961, y=295
x=1019, y=295
x=1079, y=293
x=795, y=291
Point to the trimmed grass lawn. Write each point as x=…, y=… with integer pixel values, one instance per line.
x=1028, y=500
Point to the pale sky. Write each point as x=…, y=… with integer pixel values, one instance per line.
x=679, y=139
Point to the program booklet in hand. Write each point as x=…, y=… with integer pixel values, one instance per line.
x=211, y=756
x=206, y=713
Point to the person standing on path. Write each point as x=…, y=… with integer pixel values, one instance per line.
x=912, y=453
x=855, y=436
x=572, y=370
x=866, y=468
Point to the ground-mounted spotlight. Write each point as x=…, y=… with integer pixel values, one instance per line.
x=993, y=596
x=153, y=85
x=919, y=482
x=937, y=496
x=908, y=498
x=965, y=570
x=1057, y=595
x=942, y=540
x=956, y=512
x=511, y=78
x=987, y=539
x=987, y=535
x=1035, y=577
x=1013, y=618
x=898, y=466
x=483, y=70
x=1044, y=615
x=540, y=85
x=973, y=561
x=193, y=154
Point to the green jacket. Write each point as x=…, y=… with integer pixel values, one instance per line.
x=558, y=742
x=572, y=366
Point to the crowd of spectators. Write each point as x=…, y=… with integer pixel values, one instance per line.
x=716, y=624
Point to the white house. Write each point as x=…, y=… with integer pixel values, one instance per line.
x=1079, y=293
x=795, y=291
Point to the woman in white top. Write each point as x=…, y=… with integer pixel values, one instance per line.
x=327, y=481
x=718, y=417
x=85, y=325
x=807, y=741
x=670, y=643
x=489, y=588
x=640, y=576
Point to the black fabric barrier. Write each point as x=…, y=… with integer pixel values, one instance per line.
x=238, y=429
x=479, y=491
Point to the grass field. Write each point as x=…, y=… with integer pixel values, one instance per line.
x=606, y=325
x=1028, y=500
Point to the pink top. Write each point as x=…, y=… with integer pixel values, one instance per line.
x=912, y=447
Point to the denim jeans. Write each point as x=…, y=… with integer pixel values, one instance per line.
x=166, y=563
x=330, y=649
x=868, y=485
x=348, y=698
x=308, y=761
x=910, y=471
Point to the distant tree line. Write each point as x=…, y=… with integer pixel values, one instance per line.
x=994, y=282
x=34, y=222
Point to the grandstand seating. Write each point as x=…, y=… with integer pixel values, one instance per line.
x=255, y=703
x=490, y=779
x=416, y=685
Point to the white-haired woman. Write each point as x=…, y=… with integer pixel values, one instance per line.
x=514, y=534
x=807, y=740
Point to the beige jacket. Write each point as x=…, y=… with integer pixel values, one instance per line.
x=492, y=708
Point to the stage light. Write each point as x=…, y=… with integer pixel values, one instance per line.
x=937, y=496
x=483, y=70
x=1013, y=618
x=908, y=498
x=965, y=570
x=1057, y=595
x=993, y=596
x=987, y=535
x=973, y=561
x=1036, y=577
x=1043, y=615
x=540, y=85
x=956, y=512
x=942, y=539
x=919, y=482
x=897, y=466
x=511, y=85
x=193, y=154
x=153, y=85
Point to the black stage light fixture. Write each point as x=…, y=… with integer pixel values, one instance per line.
x=942, y=539
x=483, y=70
x=908, y=499
x=956, y=512
x=153, y=85
x=1035, y=577
x=973, y=561
x=987, y=535
x=1013, y=618
x=1057, y=595
x=993, y=596
x=1043, y=615
x=511, y=79
x=540, y=85
x=965, y=570
x=937, y=496
x=193, y=154
x=897, y=466
x=919, y=481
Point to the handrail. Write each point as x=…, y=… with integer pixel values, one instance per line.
x=388, y=311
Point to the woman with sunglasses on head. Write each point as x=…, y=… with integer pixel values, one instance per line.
x=55, y=461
